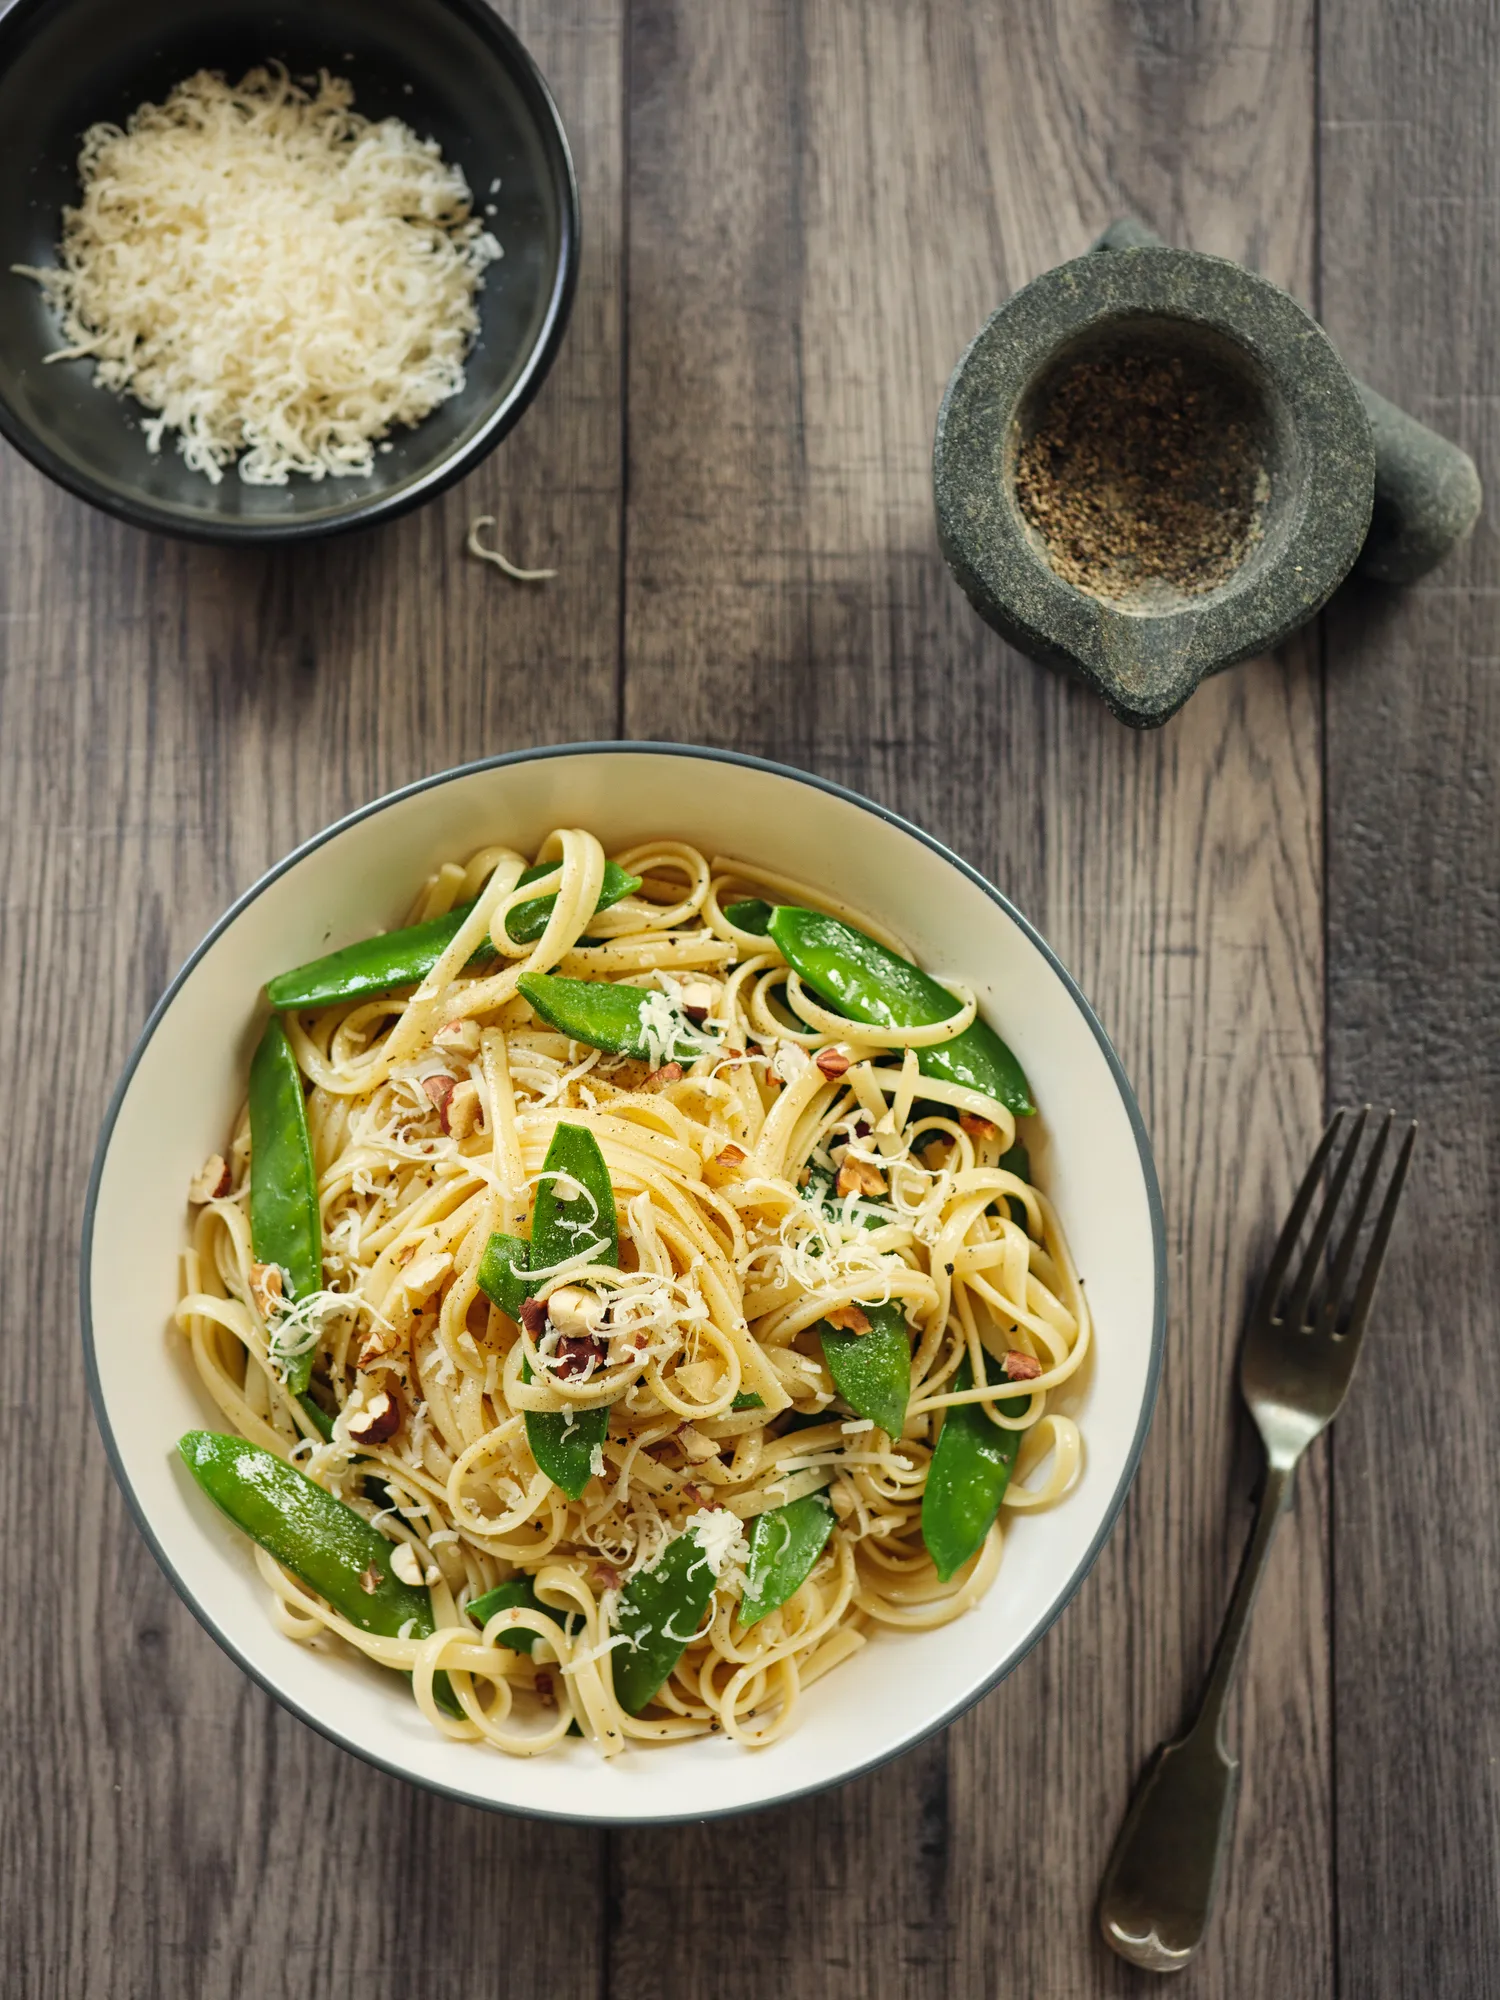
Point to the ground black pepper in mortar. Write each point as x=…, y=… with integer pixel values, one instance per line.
x=1143, y=475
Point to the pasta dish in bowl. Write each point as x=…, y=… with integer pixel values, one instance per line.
x=630, y=1298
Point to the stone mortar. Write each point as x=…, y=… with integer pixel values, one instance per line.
x=1334, y=454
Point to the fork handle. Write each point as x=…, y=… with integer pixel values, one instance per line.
x=1159, y=1888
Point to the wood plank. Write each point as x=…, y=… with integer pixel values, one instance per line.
x=1411, y=232
x=171, y=720
x=826, y=199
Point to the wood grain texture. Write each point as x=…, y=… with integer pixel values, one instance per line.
x=826, y=199
x=172, y=719
x=1411, y=235
x=796, y=214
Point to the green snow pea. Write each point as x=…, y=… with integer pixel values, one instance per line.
x=872, y=1371
x=519, y=1591
x=603, y=1015
x=868, y=983
x=322, y=1422
x=381, y=964
x=752, y=915
x=502, y=1272
x=314, y=1535
x=527, y=921
x=966, y=1480
x=660, y=1609
x=785, y=1544
x=748, y=1399
x=1016, y=1160
x=562, y=1441
x=563, y=1226
x=286, y=1227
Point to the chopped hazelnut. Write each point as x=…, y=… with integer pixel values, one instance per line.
x=377, y=1419
x=267, y=1289
x=212, y=1181
x=534, y=1317
x=859, y=1177
x=369, y=1580
x=406, y=1565
x=670, y=1072
x=440, y=1087
x=699, y=998
x=422, y=1277
x=458, y=1037
x=833, y=1062
x=461, y=1112
x=381, y=1342
x=978, y=1128
x=574, y=1311
x=849, y=1319
x=1020, y=1367
x=731, y=1156
x=575, y=1354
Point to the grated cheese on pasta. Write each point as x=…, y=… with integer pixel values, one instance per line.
x=279, y=279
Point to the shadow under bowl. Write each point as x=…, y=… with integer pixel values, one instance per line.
x=451, y=69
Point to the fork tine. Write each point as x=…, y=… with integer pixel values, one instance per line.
x=1296, y=1307
x=1375, y=1255
x=1291, y=1229
x=1326, y=1319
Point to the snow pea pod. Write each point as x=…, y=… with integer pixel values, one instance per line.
x=518, y=1592
x=286, y=1227
x=502, y=1272
x=563, y=1442
x=660, y=1610
x=321, y=1421
x=380, y=965
x=872, y=1371
x=785, y=1544
x=527, y=921
x=753, y=915
x=966, y=1480
x=610, y=1017
x=868, y=983
x=566, y=1225
x=1016, y=1160
x=313, y=1534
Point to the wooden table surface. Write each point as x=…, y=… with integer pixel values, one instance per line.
x=796, y=214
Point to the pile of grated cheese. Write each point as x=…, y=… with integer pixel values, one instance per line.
x=281, y=280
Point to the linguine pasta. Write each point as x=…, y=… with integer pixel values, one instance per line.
x=759, y=1190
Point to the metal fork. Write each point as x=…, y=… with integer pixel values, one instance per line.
x=1301, y=1343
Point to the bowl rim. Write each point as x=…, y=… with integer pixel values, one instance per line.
x=617, y=747
x=512, y=52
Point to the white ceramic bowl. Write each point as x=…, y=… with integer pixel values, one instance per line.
x=179, y=1094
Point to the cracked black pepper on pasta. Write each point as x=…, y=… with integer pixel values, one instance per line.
x=627, y=1295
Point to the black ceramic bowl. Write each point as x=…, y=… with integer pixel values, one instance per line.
x=449, y=68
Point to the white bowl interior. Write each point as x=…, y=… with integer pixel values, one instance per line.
x=188, y=1080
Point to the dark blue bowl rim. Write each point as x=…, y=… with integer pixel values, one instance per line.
x=1122, y=1084
x=457, y=463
